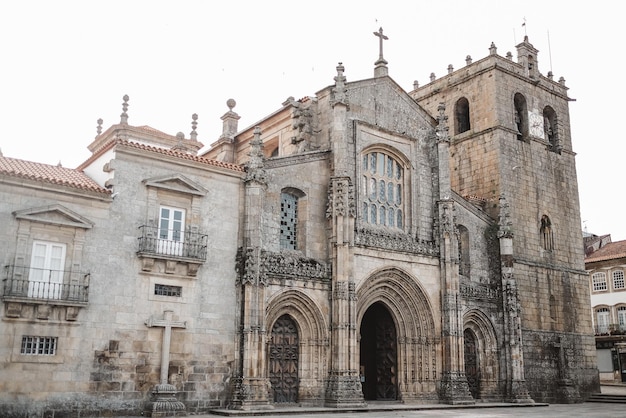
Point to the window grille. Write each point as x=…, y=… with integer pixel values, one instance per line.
x=618, y=279
x=166, y=290
x=38, y=346
x=599, y=282
x=288, y=221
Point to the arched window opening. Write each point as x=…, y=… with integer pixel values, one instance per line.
x=546, y=233
x=602, y=321
x=382, y=189
x=550, y=129
x=464, y=251
x=521, y=116
x=621, y=318
x=462, y=116
x=288, y=221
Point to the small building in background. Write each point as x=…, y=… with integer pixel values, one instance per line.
x=606, y=261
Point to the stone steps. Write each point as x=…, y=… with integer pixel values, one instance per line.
x=607, y=398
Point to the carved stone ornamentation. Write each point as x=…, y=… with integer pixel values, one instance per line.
x=388, y=240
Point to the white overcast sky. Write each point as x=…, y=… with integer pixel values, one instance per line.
x=64, y=64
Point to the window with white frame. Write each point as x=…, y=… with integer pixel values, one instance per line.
x=602, y=320
x=621, y=318
x=47, y=263
x=598, y=281
x=618, y=279
x=382, y=190
x=171, y=231
x=38, y=346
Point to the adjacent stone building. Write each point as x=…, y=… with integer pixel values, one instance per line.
x=362, y=244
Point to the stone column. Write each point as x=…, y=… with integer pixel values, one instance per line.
x=454, y=388
x=516, y=390
x=343, y=388
x=251, y=385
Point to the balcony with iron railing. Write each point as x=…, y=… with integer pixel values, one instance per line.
x=178, y=247
x=35, y=285
x=610, y=329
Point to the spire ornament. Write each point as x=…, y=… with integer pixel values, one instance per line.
x=442, y=124
x=99, y=127
x=194, y=125
x=124, y=115
x=255, y=167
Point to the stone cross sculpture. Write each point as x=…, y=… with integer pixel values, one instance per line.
x=164, y=402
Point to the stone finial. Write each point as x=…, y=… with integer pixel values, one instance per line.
x=180, y=145
x=124, y=115
x=442, y=123
x=339, y=91
x=230, y=121
x=415, y=85
x=99, y=127
x=492, y=49
x=562, y=81
x=194, y=125
x=59, y=164
x=432, y=77
x=550, y=75
x=450, y=69
x=255, y=166
x=509, y=56
x=504, y=219
x=468, y=60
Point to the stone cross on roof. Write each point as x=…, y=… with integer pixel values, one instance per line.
x=380, y=68
x=381, y=37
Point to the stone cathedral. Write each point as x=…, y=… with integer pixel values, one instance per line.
x=362, y=244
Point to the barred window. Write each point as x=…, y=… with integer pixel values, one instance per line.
x=382, y=190
x=288, y=221
x=38, y=346
x=618, y=279
x=166, y=290
x=599, y=281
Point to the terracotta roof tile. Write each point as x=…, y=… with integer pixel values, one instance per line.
x=610, y=251
x=183, y=155
x=49, y=174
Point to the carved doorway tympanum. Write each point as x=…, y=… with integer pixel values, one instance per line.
x=283, y=360
x=378, y=348
x=471, y=363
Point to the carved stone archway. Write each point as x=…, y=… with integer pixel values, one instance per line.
x=418, y=346
x=313, y=337
x=485, y=349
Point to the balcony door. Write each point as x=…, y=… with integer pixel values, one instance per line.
x=171, y=231
x=45, y=278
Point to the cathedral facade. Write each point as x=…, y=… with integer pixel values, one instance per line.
x=366, y=243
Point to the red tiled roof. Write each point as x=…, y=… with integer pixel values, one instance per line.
x=178, y=154
x=610, y=251
x=49, y=174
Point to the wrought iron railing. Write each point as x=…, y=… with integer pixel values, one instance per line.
x=184, y=244
x=22, y=282
x=610, y=329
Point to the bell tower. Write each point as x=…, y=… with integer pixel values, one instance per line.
x=511, y=142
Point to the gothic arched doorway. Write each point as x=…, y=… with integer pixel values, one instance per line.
x=283, y=360
x=378, y=362
x=472, y=368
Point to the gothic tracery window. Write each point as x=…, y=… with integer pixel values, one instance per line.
x=382, y=190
